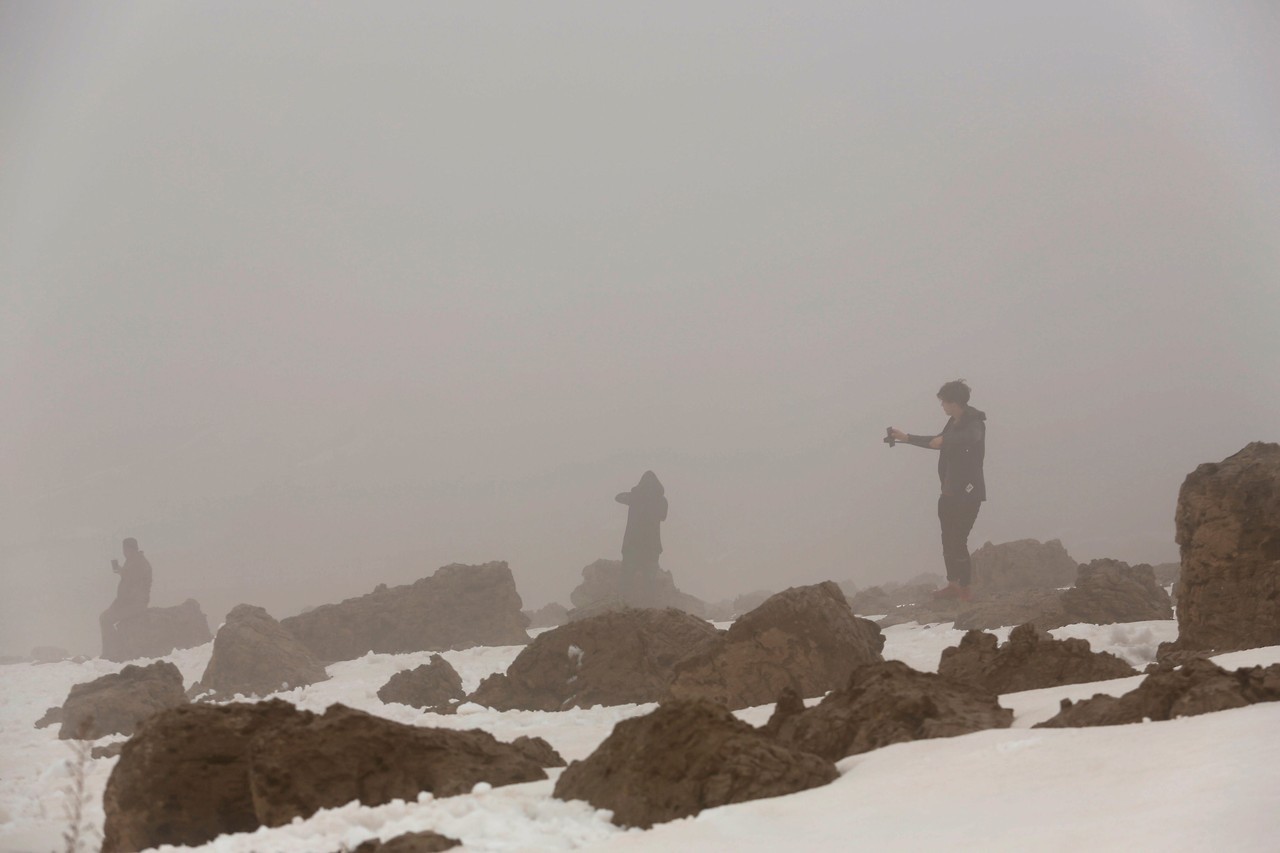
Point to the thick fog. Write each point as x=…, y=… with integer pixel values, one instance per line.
x=310, y=297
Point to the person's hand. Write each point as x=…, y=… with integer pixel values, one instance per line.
x=115, y=566
x=898, y=435
x=936, y=443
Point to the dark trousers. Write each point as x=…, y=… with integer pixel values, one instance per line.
x=957, y=516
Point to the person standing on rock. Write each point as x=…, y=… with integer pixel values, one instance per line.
x=962, y=446
x=646, y=510
x=132, y=595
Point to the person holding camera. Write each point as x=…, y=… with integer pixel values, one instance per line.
x=961, y=446
x=132, y=595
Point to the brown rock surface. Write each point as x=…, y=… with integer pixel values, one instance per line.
x=1025, y=564
x=1043, y=607
x=199, y=771
x=1197, y=687
x=686, y=756
x=410, y=842
x=1027, y=661
x=119, y=702
x=886, y=703
x=538, y=750
x=458, y=607
x=1109, y=591
x=254, y=656
x=434, y=683
x=804, y=638
x=549, y=616
x=1228, y=522
x=885, y=598
x=609, y=585
x=615, y=658
x=158, y=631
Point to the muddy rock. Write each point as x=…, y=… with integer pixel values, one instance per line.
x=434, y=683
x=411, y=842
x=51, y=716
x=615, y=658
x=611, y=585
x=198, y=771
x=1108, y=591
x=686, y=756
x=886, y=703
x=1028, y=661
x=158, y=631
x=538, y=750
x=805, y=638
x=1197, y=687
x=458, y=607
x=1228, y=523
x=1025, y=564
x=549, y=616
x=119, y=702
x=254, y=656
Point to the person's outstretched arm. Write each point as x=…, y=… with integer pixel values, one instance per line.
x=928, y=442
x=624, y=498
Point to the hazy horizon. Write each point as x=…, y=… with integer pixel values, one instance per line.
x=312, y=298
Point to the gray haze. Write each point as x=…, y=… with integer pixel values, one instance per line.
x=309, y=297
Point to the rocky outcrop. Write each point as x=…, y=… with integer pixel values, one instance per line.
x=1197, y=687
x=1108, y=591
x=1028, y=661
x=684, y=757
x=1228, y=523
x=538, y=750
x=196, y=772
x=610, y=585
x=887, y=597
x=432, y=684
x=411, y=842
x=805, y=638
x=119, y=702
x=885, y=703
x=158, y=631
x=254, y=656
x=458, y=607
x=549, y=616
x=731, y=608
x=616, y=658
x=1025, y=564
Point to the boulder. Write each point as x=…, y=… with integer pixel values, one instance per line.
x=616, y=658
x=1028, y=661
x=119, y=702
x=254, y=656
x=458, y=607
x=885, y=703
x=1043, y=607
x=1199, y=686
x=199, y=771
x=538, y=750
x=609, y=585
x=686, y=756
x=1025, y=564
x=158, y=631
x=411, y=842
x=51, y=716
x=805, y=638
x=1228, y=523
x=731, y=608
x=888, y=597
x=549, y=616
x=1108, y=591
x=434, y=683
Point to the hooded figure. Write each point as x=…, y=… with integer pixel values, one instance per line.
x=647, y=509
x=132, y=595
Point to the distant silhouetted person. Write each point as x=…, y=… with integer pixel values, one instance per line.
x=646, y=510
x=963, y=446
x=132, y=595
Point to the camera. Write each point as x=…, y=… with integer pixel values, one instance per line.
x=888, y=437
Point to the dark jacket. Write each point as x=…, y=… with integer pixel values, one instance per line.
x=647, y=509
x=135, y=580
x=964, y=446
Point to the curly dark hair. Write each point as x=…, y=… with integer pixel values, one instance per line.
x=954, y=391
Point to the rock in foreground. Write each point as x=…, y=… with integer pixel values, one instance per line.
x=410, y=842
x=456, y=608
x=199, y=771
x=432, y=684
x=158, y=631
x=805, y=639
x=616, y=658
x=1228, y=522
x=119, y=702
x=1027, y=661
x=686, y=756
x=886, y=703
x=1197, y=687
x=254, y=656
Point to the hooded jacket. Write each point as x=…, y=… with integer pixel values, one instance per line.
x=964, y=446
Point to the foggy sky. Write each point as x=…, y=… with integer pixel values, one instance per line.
x=312, y=297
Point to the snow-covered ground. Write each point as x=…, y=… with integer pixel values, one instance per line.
x=1208, y=782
